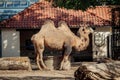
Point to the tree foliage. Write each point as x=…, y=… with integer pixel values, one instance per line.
x=83, y=4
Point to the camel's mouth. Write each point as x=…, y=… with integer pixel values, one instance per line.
x=91, y=30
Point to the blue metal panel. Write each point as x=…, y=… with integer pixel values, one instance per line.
x=16, y=4
x=9, y=8
x=7, y=13
x=2, y=4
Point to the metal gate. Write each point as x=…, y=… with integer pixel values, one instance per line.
x=116, y=33
x=116, y=43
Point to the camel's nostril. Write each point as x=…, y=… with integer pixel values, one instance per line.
x=83, y=29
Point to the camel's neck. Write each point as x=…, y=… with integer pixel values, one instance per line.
x=84, y=37
x=85, y=40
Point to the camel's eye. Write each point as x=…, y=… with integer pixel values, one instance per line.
x=83, y=29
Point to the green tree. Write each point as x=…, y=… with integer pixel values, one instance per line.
x=83, y=4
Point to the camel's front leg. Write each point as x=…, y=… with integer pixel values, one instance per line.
x=37, y=56
x=65, y=64
x=41, y=59
x=37, y=61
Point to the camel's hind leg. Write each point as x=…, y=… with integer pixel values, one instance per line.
x=65, y=64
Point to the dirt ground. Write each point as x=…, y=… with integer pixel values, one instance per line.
x=37, y=75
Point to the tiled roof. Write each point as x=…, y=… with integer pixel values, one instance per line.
x=36, y=14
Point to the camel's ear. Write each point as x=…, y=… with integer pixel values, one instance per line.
x=82, y=25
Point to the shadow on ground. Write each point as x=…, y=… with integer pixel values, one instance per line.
x=36, y=78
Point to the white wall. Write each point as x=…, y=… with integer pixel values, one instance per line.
x=10, y=43
x=100, y=51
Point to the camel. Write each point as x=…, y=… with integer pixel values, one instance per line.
x=60, y=38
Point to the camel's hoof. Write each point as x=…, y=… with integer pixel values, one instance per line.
x=60, y=68
x=47, y=69
x=40, y=69
x=65, y=66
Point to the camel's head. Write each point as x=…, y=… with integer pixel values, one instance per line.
x=85, y=31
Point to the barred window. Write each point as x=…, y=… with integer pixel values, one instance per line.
x=2, y=4
x=9, y=4
x=23, y=3
x=16, y=3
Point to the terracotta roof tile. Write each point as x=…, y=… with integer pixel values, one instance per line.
x=36, y=14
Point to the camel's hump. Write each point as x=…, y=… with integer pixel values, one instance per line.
x=63, y=25
x=48, y=25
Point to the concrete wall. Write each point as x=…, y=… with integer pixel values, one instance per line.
x=10, y=43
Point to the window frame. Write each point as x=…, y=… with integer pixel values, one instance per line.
x=16, y=5
x=7, y=6
x=2, y=4
x=23, y=5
